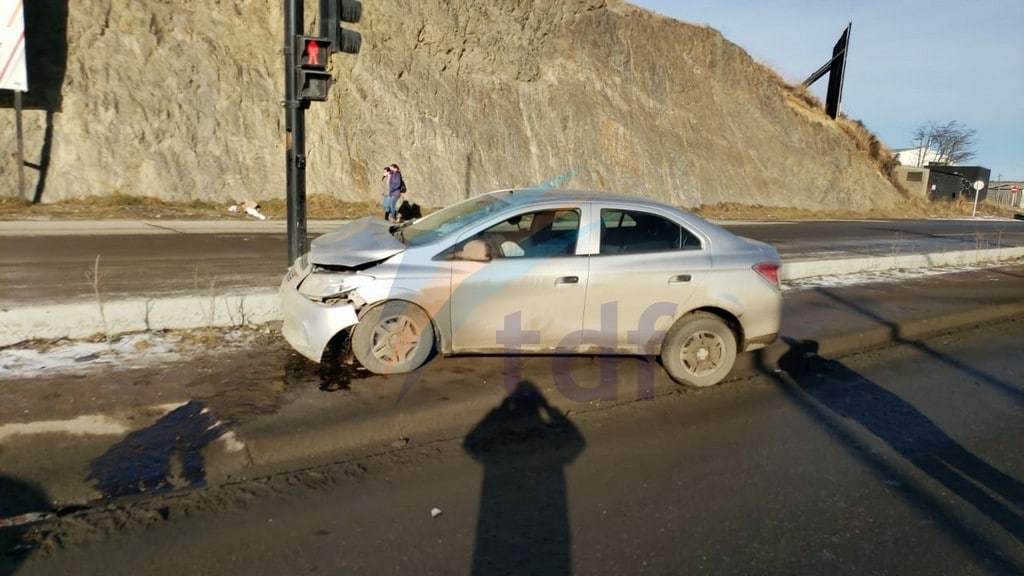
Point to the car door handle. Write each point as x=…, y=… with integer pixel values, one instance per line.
x=679, y=279
x=568, y=280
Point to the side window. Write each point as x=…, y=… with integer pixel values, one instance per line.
x=633, y=232
x=543, y=234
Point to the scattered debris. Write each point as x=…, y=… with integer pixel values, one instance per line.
x=23, y=519
x=248, y=207
x=435, y=512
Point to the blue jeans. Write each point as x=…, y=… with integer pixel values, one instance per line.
x=391, y=205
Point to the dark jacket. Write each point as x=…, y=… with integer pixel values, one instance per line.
x=395, y=184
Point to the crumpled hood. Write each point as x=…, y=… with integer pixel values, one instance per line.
x=360, y=242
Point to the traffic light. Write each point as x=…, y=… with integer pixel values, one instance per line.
x=313, y=80
x=332, y=14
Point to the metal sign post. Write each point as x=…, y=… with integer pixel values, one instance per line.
x=20, y=156
x=13, y=73
x=979, y=185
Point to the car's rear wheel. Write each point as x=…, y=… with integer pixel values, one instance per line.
x=699, y=350
x=393, y=338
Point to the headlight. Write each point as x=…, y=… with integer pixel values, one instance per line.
x=320, y=285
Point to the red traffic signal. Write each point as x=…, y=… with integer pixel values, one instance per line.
x=314, y=53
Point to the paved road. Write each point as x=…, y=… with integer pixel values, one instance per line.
x=54, y=268
x=905, y=460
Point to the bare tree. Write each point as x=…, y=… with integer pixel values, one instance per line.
x=951, y=143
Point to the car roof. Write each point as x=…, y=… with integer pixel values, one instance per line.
x=526, y=196
x=522, y=196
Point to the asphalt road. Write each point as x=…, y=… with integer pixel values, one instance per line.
x=58, y=268
x=905, y=460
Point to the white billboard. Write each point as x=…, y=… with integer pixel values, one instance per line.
x=12, y=46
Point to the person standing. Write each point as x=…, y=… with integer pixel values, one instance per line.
x=396, y=187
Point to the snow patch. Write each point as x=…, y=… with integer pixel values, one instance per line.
x=840, y=280
x=33, y=359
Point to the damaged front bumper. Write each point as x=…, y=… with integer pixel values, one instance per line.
x=310, y=326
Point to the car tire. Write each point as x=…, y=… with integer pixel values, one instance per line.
x=699, y=350
x=393, y=338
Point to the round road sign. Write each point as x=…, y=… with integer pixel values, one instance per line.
x=979, y=185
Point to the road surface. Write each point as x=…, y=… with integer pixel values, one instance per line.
x=905, y=460
x=57, y=268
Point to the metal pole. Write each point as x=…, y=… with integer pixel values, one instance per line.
x=976, y=194
x=295, y=139
x=21, y=144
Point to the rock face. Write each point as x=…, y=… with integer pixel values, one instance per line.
x=181, y=100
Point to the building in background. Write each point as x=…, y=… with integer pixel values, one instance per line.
x=937, y=182
x=916, y=156
x=914, y=179
x=952, y=183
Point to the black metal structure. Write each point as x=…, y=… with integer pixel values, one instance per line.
x=307, y=80
x=836, y=70
x=953, y=183
x=295, y=135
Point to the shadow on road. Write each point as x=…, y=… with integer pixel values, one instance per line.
x=16, y=499
x=834, y=396
x=164, y=456
x=1015, y=393
x=523, y=524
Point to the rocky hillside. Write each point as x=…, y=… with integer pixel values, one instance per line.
x=180, y=99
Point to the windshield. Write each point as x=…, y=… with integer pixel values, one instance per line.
x=451, y=219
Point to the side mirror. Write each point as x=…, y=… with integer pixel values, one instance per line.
x=475, y=251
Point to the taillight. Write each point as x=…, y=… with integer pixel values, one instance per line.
x=769, y=271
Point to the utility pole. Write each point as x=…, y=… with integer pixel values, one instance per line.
x=295, y=135
x=307, y=80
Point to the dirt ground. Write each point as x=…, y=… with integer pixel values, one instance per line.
x=322, y=207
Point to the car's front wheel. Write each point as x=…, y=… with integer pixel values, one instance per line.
x=699, y=350
x=393, y=338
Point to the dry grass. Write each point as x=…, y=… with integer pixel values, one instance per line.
x=802, y=99
x=120, y=206
x=109, y=207
x=323, y=207
x=804, y=96
x=908, y=210
x=877, y=152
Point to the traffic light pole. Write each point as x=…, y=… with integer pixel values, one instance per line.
x=295, y=135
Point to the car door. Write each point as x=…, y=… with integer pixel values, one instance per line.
x=528, y=295
x=643, y=274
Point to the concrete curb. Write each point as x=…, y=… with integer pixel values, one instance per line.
x=884, y=333
x=287, y=444
x=82, y=319
x=798, y=269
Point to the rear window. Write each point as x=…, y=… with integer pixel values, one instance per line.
x=635, y=232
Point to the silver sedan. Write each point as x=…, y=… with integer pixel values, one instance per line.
x=536, y=272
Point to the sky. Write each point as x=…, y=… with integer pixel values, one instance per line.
x=909, y=61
